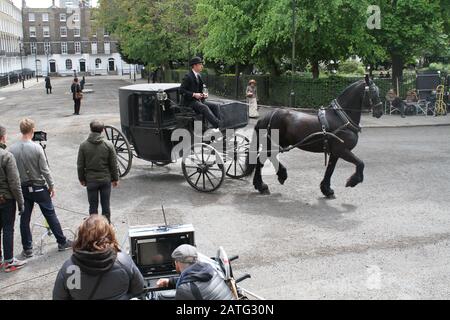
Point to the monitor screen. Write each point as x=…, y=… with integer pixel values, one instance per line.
x=154, y=253
x=157, y=252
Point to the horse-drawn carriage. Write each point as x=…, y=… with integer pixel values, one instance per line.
x=157, y=127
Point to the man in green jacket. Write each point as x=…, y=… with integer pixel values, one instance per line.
x=10, y=193
x=97, y=169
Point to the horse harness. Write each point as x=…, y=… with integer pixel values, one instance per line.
x=325, y=133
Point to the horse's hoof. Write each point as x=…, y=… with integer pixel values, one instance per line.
x=282, y=176
x=264, y=189
x=282, y=180
x=331, y=196
x=327, y=191
x=352, y=182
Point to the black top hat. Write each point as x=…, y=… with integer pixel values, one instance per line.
x=195, y=60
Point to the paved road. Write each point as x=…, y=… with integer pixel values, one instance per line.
x=386, y=239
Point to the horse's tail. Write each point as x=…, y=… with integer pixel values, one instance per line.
x=262, y=123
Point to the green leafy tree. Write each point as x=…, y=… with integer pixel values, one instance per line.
x=410, y=28
x=155, y=32
x=227, y=34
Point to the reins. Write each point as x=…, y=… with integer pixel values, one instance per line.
x=324, y=135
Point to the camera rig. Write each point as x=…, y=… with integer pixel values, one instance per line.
x=41, y=138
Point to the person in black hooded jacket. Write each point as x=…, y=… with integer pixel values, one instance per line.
x=97, y=270
x=198, y=280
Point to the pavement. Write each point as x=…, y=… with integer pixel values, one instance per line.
x=388, y=238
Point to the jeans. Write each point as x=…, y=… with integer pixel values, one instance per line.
x=209, y=110
x=77, y=105
x=93, y=191
x=49, y=89
x=41, y=196
x=7, y=218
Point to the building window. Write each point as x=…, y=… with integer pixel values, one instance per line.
x=45, y=17
x=76, y=17
x=46, y=31
x=94, y=47
x=98, y=63
x=33, y=32
x=76, y=32
x=62, y=17
x=107, y=48
x=31, y=17
x=63, y=31
x=68, y=64
x=77, y=47
x=63, y=47
x=33, y=47
x=47, y=48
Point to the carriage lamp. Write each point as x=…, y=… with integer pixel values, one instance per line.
x=161, y=95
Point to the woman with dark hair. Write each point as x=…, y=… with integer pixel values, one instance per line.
x=97, y=270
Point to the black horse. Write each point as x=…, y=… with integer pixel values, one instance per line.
x=335, y=135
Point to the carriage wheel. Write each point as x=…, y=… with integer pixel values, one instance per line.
x=203, y=168
x=123, y=149
x=236, y=160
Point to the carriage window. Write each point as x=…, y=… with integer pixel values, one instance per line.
x=147, y=108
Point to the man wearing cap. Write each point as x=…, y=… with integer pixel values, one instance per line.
x=192, y=90
x=198, y=280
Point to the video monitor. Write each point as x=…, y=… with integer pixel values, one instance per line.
x=151, y=248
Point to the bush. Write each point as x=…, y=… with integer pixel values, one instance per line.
x=351, y=67
x=440, y=67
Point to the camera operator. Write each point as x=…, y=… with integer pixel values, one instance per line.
x=37, y=187
x=198, y=280
x=10, y=193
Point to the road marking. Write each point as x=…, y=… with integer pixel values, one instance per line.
x=2, y=98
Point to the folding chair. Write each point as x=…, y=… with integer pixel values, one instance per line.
x=440, y=107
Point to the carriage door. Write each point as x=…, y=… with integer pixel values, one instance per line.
x=145, y=129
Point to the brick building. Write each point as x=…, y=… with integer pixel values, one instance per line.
x=62, y=41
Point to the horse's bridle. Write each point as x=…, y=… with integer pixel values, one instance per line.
x=348, y=122
x=367, y=92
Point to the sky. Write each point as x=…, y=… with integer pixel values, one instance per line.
x=40, y=3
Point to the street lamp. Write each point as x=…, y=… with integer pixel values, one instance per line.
x=292, y=95
x=21, y=62
x=48, y=66
x=35, y=60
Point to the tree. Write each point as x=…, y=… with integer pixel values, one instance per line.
x=410, y=28
x=155, y=32
x=227, y=34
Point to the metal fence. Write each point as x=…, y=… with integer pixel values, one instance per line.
x=275, y=91
x=12, y=78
